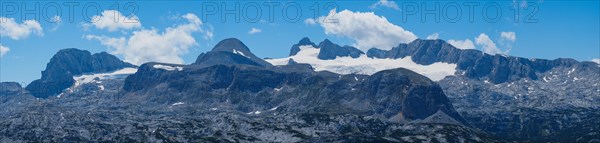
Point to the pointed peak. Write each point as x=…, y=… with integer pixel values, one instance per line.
x=327, y=41
x=305, y=40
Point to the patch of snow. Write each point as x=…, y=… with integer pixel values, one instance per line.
x=278, y=89
x=88, y=78
x=169, y=68
x=178, y=103
x=213, y=109
x=571, y=71
x=101, y=87
x=274, y=108
x=255, y=112
x=356, y=78
x=240, y=53
x=365, y=65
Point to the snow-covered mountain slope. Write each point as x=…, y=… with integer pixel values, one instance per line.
x=67, y=63
x=364, y=65
x=88, y=78
x=512, y=97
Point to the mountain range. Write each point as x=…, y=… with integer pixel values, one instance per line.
x=422, y=91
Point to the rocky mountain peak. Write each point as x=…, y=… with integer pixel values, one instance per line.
x=330, y=50
x=231, y=44
x=67, y=63
x=296, y=47
x=230, y=51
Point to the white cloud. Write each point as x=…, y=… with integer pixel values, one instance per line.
x=57, y=22
x=462, y=44
x=113, y=20
x=310, y=21
x=10, y=28
x=366, y=29
x=433, y=36
x=488, y=45
x=208, y=33
x=596, y=61
x=509, y=36
x=3, y=50
x=254, y=31
x=385, y=3
x=150, y=45
x=56, y=19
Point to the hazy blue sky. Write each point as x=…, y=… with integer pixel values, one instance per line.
x=177, y=32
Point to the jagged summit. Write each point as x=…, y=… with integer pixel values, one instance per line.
x=296, y=47
x=475, y=63
x=67, y=63
x=328, y=49
x=332, y=51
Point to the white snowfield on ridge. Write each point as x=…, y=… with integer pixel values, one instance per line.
x=365, y=65
x=88, y=78
x=168, y=68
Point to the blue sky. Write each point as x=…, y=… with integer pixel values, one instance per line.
x=542, y=29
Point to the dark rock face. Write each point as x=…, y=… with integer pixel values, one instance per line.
x=398, y=94
x=10, y=88
x=422, y=98
x=327, y=49
x=69, y=62
x=296, y=47
x=228, y=97
x=230, y=51
x=330, y=51
x=222, y=57
x=476, y=64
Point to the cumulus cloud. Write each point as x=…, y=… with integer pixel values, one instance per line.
x=385, y=3
x=487, y=44
x=254, y=31
x=365, y=28
x=113, y=20
x=433, y=36
x=150, y=45
x=596, y=61
x=10, y=28
x=509, y=36
x=462, y=44
x=3, y=50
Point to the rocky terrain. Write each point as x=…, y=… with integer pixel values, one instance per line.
x=231, y=95
x=228, y=95
x=519, y=99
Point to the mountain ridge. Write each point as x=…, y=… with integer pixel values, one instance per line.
x=67, y=63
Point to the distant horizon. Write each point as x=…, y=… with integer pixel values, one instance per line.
x=30, y=38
